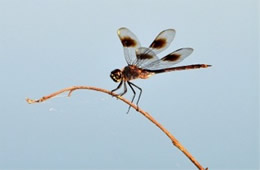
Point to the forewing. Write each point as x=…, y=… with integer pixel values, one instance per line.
x=163, y=40
x=170, y=59
x=144, y=56
x=130, y=44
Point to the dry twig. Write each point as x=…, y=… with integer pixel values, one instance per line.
x=148, y=116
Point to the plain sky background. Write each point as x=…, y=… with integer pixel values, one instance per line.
x=51, y=44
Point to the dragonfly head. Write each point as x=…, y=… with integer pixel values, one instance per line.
x=116, y=75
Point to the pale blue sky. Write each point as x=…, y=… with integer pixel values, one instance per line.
x=48, y=45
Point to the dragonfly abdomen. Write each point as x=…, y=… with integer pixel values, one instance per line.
x=188, y=67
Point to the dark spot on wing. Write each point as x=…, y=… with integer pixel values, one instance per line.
x=171, y=57
x=128, y=42
x=158, y=43
x=144, y=56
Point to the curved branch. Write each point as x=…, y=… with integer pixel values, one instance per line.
x=148, y=116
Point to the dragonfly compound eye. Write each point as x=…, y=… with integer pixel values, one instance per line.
x=116, y=75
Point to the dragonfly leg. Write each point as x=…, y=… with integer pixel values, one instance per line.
x=118, y=87
x=139, y=93
x=125, y=90
x=133, y=96
x=131, y=86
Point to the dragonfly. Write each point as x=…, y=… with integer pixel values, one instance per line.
x=142, y=62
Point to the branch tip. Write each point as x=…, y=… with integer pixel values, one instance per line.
x=30, y=101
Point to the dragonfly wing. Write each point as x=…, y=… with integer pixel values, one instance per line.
x=170, y=59
x=145, y=56
x=130, y=44
x=163, y=40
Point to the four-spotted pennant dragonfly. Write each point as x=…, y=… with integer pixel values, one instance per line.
x=143, y=62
